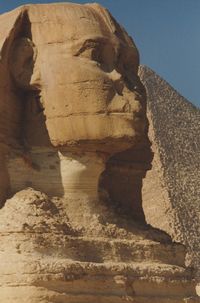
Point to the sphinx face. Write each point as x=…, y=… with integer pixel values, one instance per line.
x=86, y=74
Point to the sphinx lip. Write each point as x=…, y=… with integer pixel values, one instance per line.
x=103, y=113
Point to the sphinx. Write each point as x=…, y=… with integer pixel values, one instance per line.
x=74, y=90
x=71, y=99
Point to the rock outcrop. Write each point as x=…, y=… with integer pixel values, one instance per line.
x=73, y=118
x=53, y=252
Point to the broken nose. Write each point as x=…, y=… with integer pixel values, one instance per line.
x=118, y=82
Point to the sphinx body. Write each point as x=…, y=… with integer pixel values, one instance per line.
x=71, y=98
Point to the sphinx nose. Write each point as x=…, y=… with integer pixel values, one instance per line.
x=117, y=80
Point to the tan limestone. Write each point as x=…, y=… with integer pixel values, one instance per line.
x=73, y=114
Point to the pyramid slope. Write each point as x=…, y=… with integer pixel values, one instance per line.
x=174, y=128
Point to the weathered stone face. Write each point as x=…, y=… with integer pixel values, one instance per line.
x=68, y=80
x=79, y=66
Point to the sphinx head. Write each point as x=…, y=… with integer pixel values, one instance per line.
x=79, y=68
x=69, y=82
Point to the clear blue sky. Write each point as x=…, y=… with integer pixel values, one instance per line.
x=166, y=32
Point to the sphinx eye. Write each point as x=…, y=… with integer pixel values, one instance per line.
x=101, y=51
x=90, y=50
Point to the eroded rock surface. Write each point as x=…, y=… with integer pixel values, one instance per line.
x=73, y=111
x=55, y=256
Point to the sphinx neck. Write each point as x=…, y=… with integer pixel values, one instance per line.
x=80, y=174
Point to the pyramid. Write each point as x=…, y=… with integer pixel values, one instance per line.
x=173, y=203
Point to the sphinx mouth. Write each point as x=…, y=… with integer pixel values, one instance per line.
x=124, y=113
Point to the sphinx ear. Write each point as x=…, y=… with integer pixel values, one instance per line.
x=16, y=48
